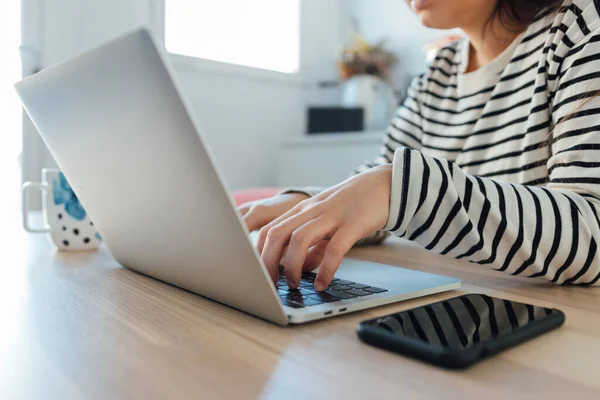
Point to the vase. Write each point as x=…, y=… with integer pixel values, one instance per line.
x=374, y=95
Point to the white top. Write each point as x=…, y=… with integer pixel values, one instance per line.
x=489, y=74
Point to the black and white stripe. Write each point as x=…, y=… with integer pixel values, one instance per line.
x=521, y=190
x=525, y=164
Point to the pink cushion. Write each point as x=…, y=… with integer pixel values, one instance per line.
x=246, y=195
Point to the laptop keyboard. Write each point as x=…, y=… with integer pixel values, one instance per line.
x=307, y=296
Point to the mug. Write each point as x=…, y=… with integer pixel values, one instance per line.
x=65, y=220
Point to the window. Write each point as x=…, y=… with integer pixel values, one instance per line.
x=254, y=33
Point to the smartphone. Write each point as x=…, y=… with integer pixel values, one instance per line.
x=458, y=332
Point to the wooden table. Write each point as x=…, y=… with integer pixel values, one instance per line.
x=78, y=326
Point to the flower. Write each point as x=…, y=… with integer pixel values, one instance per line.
x=361, y=57
x=63, y=194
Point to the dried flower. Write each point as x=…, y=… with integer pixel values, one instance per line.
x=362, y=57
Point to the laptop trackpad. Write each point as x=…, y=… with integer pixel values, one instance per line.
x=395, y=279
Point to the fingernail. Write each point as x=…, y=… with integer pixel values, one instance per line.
x=320, y=286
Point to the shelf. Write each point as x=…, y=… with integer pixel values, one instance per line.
x=325, y=159
x=341, y=138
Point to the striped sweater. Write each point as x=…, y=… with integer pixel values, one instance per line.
x=501, y=166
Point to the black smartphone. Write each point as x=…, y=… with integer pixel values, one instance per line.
x=458, y=332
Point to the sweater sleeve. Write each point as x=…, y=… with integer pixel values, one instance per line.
x=549, y=231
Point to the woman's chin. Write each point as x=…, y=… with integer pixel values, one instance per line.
x=429, y=21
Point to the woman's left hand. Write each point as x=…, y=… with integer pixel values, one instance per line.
x=339, y=217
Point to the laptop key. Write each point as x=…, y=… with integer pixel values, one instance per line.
x=359, y=286
x=339, y=288
x=343, y=282
x=375, y=290
x=299, y=303
x=306, y=291
x=340, y=295
x=324, y=297
x=358, y=292
x=293, y=304
x=309, y=302
x=295, y=294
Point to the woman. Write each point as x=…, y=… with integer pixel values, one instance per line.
x=494, y=157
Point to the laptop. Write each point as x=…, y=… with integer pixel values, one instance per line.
x=117, y=123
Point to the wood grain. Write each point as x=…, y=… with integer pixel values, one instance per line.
x=78, y=326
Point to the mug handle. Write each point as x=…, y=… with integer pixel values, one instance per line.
x=25, y=203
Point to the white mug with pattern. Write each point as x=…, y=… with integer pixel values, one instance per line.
x=65, y=220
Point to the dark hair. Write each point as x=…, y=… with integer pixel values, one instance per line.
x=517, y=14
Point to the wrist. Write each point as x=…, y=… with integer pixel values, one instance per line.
x=387, y=170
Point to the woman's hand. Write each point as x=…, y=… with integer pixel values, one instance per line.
x=325, y=227
x=257, y=214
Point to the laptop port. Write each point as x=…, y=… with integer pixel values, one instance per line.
x=343, y=309
x=328, y=312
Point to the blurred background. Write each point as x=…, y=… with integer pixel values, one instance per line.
x=297, y=92
x=10, y=115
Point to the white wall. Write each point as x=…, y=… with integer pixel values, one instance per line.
x=74, y=26
x=243, y=119
x=244, y=116
x=323, y=31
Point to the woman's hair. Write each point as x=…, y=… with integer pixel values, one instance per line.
x=517, y=14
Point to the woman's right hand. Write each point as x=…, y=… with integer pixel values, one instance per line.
x=259, y=213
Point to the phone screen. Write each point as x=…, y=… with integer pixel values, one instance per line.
x=462, y=322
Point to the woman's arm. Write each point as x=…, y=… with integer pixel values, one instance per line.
x=522, y=230
x=550, y=232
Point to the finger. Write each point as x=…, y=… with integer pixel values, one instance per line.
x=301, y=240
x=341, y=242
x=297, y=209
x=256, y=218
x=282, y=261
x=243, y=210
x=276, y=273
x=264, y=232
x=315, y=256
x=278, y=236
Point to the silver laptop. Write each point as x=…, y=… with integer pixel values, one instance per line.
x=117, y=123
